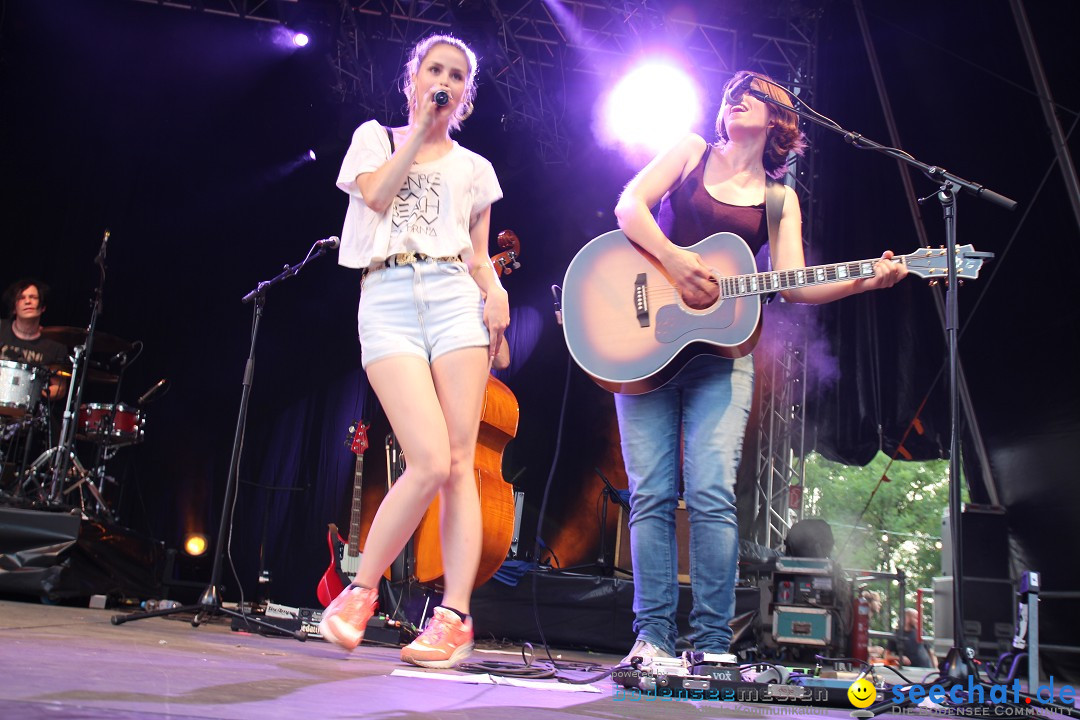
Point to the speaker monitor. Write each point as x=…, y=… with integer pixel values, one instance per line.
x=984, y=533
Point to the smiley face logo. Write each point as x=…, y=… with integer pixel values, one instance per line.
x=862, y=693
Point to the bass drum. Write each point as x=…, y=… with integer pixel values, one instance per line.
x=98, y=423
x=20, y=387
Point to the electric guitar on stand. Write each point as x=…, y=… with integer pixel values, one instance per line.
x=629, y=330
x=345, y=554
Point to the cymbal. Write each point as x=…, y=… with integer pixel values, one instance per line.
x=104, y=343
x=92, y=374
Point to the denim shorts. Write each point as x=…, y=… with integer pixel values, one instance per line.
x=426, y=309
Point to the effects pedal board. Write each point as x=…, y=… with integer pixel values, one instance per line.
x=701, y=676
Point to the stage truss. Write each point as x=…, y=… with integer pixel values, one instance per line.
x=532, y=52
x=271, y=11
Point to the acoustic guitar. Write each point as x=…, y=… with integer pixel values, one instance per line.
x=345, y=554
x=498, y=426
x=629, y=330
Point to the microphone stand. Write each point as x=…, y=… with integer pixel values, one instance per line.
x=959, y=662
x=610, y=495
x=63, y=455
x=209, y=603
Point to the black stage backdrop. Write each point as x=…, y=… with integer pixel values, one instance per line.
x=183, y=133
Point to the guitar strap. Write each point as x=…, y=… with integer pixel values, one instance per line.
x=390, y=134
x=774, y=207
x=774, y=210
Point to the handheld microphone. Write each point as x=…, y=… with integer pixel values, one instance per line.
x=330, y=243
x=734, y=94
x=441, y=98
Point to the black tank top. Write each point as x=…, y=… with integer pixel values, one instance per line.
x=689, y=213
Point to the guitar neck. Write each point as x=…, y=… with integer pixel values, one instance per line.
x=354, y=515
x=777, y=280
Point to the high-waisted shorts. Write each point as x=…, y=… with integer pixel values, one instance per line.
x=426, y=309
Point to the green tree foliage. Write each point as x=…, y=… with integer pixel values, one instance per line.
x=885, y=526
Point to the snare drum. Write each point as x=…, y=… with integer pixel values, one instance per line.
x=20, y=387
x=127, y=424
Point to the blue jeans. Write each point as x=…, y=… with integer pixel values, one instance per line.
x=699, y=416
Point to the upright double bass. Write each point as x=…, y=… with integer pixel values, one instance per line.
x=498, y=426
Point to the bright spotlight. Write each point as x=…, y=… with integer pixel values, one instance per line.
x=195, y=544
x=300, y=39
x=311, y=154
x=650, y=108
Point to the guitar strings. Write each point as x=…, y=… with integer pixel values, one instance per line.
x=662, y=292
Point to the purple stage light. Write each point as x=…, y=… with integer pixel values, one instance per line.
x=311, y=154
x=653, y=106
x=300, y=40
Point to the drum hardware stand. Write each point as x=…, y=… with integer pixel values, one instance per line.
x=32, y=421
x=89, y=477
x=86, y=478
x=209, y=603
x=105, y=451
x=63, y=455
x=959, y=663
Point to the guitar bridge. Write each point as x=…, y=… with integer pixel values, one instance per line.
x=641, y=300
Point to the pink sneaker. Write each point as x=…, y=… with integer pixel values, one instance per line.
x=344, y=620
x=445, y=642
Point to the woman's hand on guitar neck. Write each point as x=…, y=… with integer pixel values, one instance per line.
x=886, y=274
x=694, y=279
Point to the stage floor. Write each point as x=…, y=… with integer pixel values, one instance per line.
x=67, y=663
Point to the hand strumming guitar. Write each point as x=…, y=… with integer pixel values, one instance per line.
x=693, y=278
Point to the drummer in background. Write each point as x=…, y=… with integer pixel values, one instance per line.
x=20, y=336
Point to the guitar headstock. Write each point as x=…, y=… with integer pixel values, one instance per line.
x=934, y=262
x=506, y=262
x=357, y=440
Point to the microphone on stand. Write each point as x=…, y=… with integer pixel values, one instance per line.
x=100, y=259
x=558, y=305
x=734, y=94
x=146, y=395
x=330, y=243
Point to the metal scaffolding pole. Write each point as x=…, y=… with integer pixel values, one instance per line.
x=261, y=10
x=791, y=59
x=781, y=442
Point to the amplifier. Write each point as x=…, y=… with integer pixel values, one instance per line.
x=804, y=581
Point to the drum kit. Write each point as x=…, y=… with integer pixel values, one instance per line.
x=57, y=478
